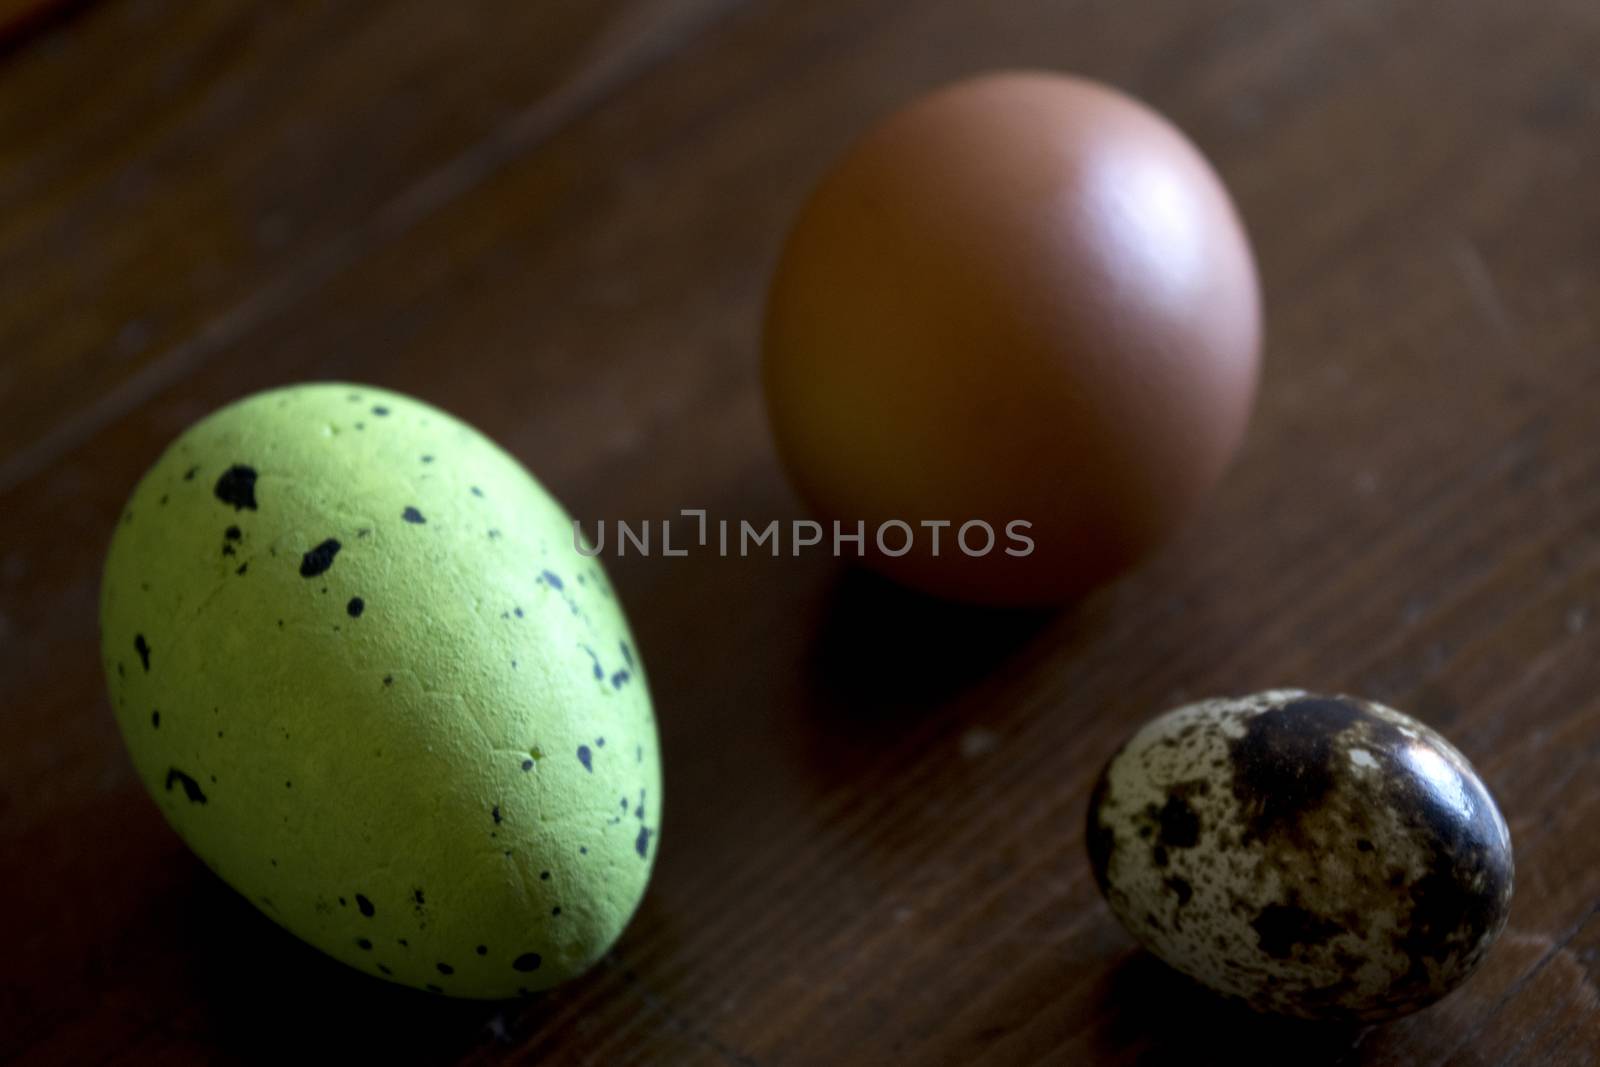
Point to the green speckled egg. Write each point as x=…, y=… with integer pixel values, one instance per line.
x=366, y=674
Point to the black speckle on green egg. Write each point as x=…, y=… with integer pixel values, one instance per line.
x=363, y=943
x=528, y=961
x=237, y=487
x=365, y=905
x=599, y=672
x=191, y=788
x=355, y=607
x=445, y=968
x=316, y=561
x=141, y=646
x=413, y=516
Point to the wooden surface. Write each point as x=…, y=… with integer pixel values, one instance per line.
x=556, y=220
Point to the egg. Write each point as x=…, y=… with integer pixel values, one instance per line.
x=1315, y=856
x=368, y=676
x=1017, y=330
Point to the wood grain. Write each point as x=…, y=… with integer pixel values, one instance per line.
x=261, y=159
x=556, y=221
x=21, y=19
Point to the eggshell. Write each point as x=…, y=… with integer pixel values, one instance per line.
x=1022, y=298
x=1315, y=856
x=366, y=675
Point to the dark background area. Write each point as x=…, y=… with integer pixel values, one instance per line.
x=556, y=220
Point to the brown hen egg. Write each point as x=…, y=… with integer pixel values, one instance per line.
x=1026, y=302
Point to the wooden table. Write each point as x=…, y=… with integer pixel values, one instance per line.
x=556, y=219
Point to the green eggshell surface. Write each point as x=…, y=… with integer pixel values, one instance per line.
x=365, y=673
